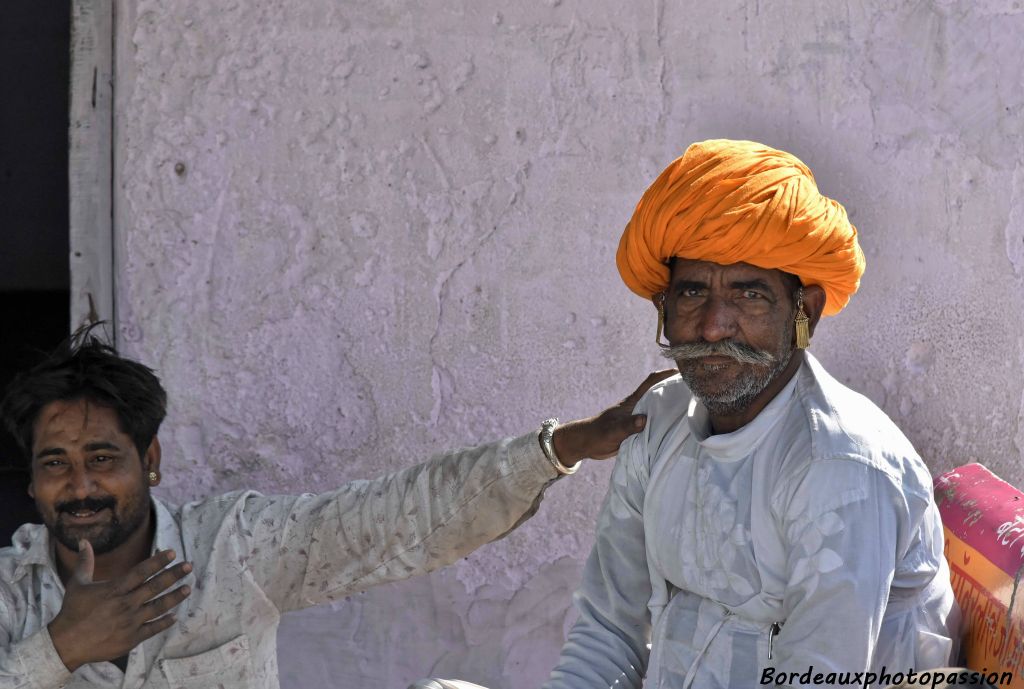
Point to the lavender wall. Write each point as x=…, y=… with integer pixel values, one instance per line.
x=350, y=234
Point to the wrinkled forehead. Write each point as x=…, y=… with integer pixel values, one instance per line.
x=66, y=423
x=691, y=270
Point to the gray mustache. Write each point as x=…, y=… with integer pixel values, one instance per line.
x=745, y=354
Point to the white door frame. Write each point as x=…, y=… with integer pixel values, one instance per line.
x=90, y=164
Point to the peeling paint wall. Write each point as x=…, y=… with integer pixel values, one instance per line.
x=350, y=234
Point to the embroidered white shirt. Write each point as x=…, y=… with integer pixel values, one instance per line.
x=256, y=557
x=817, y=516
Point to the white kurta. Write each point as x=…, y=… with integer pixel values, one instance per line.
x=817, y=516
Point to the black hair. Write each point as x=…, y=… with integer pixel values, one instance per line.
x=85, y=367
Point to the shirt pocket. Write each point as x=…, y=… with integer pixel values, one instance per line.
x=227, y=666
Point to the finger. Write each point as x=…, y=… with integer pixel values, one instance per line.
x=160, y=582
x=154, y=627
x=138, y=574
x=648, y=383
x=159, y=606
x=86, y=563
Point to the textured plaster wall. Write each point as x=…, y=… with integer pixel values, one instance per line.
x=352, y=233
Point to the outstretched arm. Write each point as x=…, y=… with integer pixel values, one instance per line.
x=309, y=549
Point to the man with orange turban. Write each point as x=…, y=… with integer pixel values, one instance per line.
x=769, y=526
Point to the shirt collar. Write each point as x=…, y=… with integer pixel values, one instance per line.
x=32, y=546
x=168, y=534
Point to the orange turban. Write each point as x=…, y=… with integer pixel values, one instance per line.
x=738, y=201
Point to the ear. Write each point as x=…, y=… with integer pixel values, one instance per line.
x=151, y=462
x=32, y=490
x=658, y=300
x=814, y=304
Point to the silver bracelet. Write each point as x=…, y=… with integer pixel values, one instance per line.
x=547, y=432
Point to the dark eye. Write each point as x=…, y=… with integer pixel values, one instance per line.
x=751, y=294
x=53, y=465
x=690, y=292
x=102, y=459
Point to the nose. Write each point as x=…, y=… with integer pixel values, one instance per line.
x=80, y=483
x=717, y=319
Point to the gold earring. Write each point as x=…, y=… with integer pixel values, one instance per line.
x=660, y=301
x=153, y=477
x=803, y=333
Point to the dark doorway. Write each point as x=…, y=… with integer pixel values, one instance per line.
x=35, y=39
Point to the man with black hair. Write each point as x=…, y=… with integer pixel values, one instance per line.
x=119, y=589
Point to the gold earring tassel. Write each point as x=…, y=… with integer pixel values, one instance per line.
x=661, y=323
x=803, y=332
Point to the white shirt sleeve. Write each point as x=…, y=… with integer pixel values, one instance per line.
x=844, y=524
x=31, y=663
x=607, y=647
x=308, y=549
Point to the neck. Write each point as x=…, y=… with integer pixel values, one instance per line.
x=115, y=563
x=727, y=423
